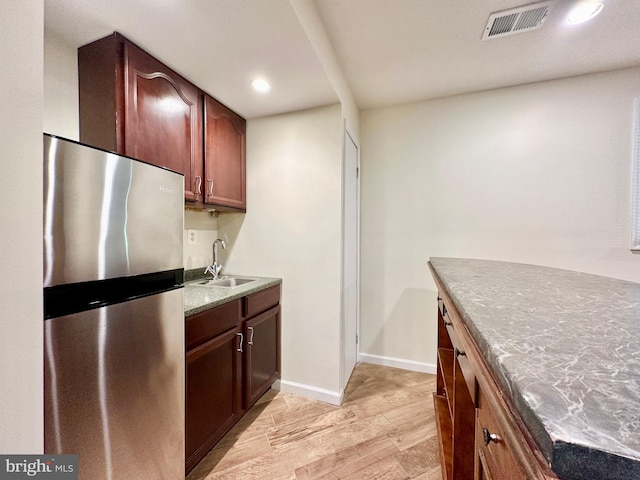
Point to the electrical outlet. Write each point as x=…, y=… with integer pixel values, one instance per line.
x=192, y=237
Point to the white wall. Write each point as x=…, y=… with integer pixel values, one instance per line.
x=536, y=174
x=200, y=254
x=292, y=230
x=61, y=115
x=21, y=351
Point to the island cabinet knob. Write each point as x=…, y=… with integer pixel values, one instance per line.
x=460, y=353
x=490, y=437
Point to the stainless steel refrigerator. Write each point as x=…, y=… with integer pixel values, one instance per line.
x=114, y=318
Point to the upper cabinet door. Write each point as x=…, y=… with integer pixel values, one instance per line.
x=163, y=120
x=224, y=156
x=134, y=105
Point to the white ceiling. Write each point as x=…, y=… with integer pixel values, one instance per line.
x=390, y=51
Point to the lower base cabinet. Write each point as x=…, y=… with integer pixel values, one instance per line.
x=262, y=365
x=232, y=359
x=213, y=393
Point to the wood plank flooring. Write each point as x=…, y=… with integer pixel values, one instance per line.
x=385, y=429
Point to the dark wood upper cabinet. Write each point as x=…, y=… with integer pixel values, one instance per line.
x=224, y=156
x=134, y=105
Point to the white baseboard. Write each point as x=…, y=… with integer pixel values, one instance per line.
x=335, y=398
x=314, y=393
x=397, y=363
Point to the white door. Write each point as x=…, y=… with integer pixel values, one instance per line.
x=350, y=259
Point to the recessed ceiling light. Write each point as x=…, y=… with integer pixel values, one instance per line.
x=260, y=85
x=583, y=12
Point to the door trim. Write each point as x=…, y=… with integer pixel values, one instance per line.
x=344, y=379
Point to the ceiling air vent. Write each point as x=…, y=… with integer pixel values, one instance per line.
x=517, y=20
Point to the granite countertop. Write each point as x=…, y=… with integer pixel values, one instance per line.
x=566, y=348
x=198, y=298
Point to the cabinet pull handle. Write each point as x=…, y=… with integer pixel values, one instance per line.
x=447, y=323
x=460, y=353
x=198, y=184
x=239, y=349
x=210, y=181
x=490, y=437
x=250, y=342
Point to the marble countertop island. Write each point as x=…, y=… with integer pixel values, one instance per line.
x=565, y=347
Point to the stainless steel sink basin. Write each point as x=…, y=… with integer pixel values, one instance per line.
x=230, y=282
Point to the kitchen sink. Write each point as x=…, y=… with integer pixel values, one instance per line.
x=227, y=282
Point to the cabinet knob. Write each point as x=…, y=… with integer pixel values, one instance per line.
x=489, y=437
x=460, y=353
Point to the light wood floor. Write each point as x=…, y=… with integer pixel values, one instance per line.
x=385, y=429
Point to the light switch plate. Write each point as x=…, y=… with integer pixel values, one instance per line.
x=192, y=237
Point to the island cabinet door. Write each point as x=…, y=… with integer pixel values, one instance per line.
x=494, y=460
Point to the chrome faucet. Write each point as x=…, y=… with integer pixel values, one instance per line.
x=216, y=268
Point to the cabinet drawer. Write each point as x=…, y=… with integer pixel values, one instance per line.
x=205, y=325
x=494, y=459
x=260, y=301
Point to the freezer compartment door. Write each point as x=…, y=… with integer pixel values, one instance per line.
x=108, y=216
x=114, y=388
